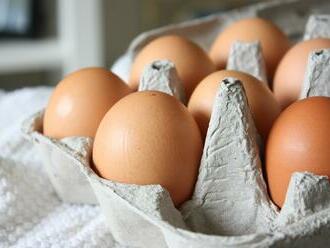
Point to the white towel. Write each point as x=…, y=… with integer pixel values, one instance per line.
x=31, y=215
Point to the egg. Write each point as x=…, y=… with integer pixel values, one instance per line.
x=290, y=73
x=191, y=62
x=79, y=102
x=263, y=105
x=149, y=137
x=274, y=43
x=299, y=141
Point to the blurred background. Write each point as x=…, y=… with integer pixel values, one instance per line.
x=42, y=40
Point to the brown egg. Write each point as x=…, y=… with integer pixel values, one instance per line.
x=264, y=107
x=274, y=42
x=290, y=73
x=299, y=141
x=80, y=101
x=149, y=137
x=191, y=62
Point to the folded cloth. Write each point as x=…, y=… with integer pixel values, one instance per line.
x=31, y=215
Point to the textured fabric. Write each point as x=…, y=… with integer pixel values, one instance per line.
x=31, y=215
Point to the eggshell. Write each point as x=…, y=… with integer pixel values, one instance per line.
x=263, y=105
x=299, y=141
x=289, y=76
x=80, y=101
x=149, y=137
x=274, y=42
x=191, y=62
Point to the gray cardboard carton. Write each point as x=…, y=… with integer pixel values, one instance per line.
x=230, y=206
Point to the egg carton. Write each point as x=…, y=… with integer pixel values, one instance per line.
x=230, y=206
x=230, y=196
